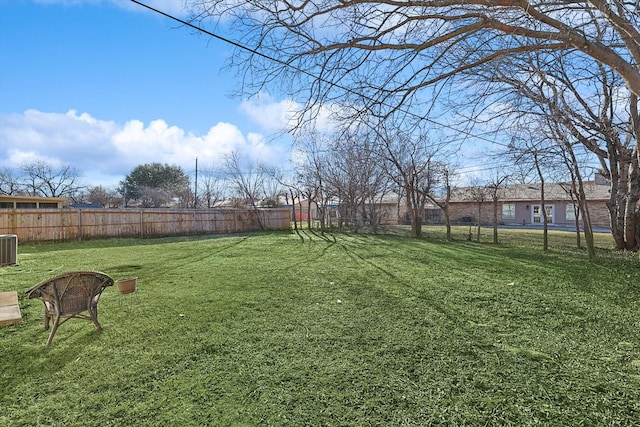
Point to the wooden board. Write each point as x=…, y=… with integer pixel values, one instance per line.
x=9, y=309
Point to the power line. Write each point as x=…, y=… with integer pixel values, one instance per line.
x=307, y=73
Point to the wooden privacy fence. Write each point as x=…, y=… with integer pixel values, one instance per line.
x=39, y=225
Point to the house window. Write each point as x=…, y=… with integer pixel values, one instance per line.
x=508, y=211
x=536, y=214
x=431, y=216
x=571, y=212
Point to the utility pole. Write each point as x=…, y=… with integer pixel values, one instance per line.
x=195, y=190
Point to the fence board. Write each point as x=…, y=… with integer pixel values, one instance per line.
x=38, y=225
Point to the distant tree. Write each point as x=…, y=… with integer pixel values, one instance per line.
x=289, y=188
x=273, y=187
x=155, y=185
x=354, y=175
x=494, y=187
x=210, y=187
x=9, y=182
x=104, y=196
x=46, y=180
x=310, y=177
x=479, y=194
x=248, y=180
x=409, y=159
x=446, y=172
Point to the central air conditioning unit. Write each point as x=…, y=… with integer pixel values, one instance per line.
x=8, y=249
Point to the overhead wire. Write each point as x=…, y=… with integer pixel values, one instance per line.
x=254, y=51
x=485, y=166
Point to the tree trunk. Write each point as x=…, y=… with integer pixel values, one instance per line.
x=293, y=205
x=632, y=241
x=582, y=204
x=258, y=215
x=577, y=211
x=478, y=221
x=416, y=225
x=543, y=207
x=448, y=222
x=495, y=220
x=584, y=208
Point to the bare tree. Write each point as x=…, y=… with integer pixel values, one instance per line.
x=47, y=180
x=248, y=181
x=273, y=187
x=533, y=147
x=389, y=56
x=106, y=197
x=479, y=193
x=442, y=200
x=573, y=166
x=390, y=51
x=410, y=161
x=10, y=182
x=543, y=207
x=495, y=187
x=211, y=187
x=355, y=176
x=288, y=188
x=312, y=174
x=581, y=107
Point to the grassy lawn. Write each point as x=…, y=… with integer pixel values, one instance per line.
x=295, y=329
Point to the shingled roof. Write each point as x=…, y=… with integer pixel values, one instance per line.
x=531, y=192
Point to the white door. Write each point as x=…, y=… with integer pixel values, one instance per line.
x=536, y=214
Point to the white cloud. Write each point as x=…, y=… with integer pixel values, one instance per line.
x=271, y=115
x=174, y=7
x=106, y=151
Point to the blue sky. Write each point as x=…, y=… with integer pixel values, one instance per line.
x=108, y=85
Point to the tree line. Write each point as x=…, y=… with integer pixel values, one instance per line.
x=150, y=185
x=410, y=86
x=555, y=85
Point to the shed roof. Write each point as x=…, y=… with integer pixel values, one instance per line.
x=5, y=198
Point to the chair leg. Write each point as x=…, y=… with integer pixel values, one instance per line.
x=93, y=312
x=46, y=319
x=56, y=323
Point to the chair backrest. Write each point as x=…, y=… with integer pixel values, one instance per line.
x=72, y=292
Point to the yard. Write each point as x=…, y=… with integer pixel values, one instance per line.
x=294, y=329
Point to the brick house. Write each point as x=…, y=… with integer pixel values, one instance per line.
x=393, y=210
x=521, y=204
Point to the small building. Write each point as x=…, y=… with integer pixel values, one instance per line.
x=394, y=210
x=522, y=205
x=28, y=202
x=304, y=210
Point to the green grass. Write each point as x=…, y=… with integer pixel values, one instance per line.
x=289, y=329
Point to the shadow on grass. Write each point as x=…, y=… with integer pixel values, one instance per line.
x=309, y=234
x=34, y=360
x=125, y=242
